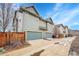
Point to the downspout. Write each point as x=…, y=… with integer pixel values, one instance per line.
x=46, y=25
x=23, y=22
x=46, y=29
x=16, y=25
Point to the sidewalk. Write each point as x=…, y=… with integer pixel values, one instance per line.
x=61, y=49
x=45, y=47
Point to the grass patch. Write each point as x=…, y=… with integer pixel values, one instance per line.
x=2, y=50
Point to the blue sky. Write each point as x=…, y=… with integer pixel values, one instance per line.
x=65, y=13
x=61, y=13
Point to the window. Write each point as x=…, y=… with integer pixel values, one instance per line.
x=64, y=31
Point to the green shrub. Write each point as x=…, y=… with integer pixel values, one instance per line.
x=1, y=49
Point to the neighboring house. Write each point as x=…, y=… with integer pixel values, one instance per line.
x=28, y=20
x=66, y=31
x=56, y=31
x=62, y=30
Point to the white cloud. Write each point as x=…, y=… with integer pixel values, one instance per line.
x=55, y=9
x=49, y=14
x=75, y=23
x=57, y=6
x=18, y=5
x=64, y=16
x=70, y=16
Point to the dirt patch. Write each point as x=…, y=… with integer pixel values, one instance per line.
x=16, y=46
x=74, y=50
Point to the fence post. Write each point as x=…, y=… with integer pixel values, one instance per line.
x=24, y=37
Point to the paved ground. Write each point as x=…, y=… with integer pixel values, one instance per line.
x=45, y=48
x=61, y=49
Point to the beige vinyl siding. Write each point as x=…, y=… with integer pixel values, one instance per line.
x=32, y=10
x=20, y=21
x=30, y=23
x=66, y=29
x=50, y=27
x=42, y=23
x=61, y=29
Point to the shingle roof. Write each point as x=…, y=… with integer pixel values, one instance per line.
x=50, y=20
x=33, y=8
x=23, y=9
x=60, y=25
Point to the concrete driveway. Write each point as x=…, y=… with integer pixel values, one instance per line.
x=40, y=47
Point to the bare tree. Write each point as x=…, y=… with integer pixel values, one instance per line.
x=15, y=22
x=6, y=14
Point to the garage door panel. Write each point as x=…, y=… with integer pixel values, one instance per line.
x=49, y=35
x=34, y=35
x=44, y=35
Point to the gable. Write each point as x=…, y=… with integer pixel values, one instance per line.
x=60, y=26
x=32, y=10
x=50, y=20
x=65, y=27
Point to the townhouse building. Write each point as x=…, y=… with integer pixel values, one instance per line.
x=29, y=21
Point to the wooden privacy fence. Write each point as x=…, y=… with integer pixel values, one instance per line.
x=6, y=38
